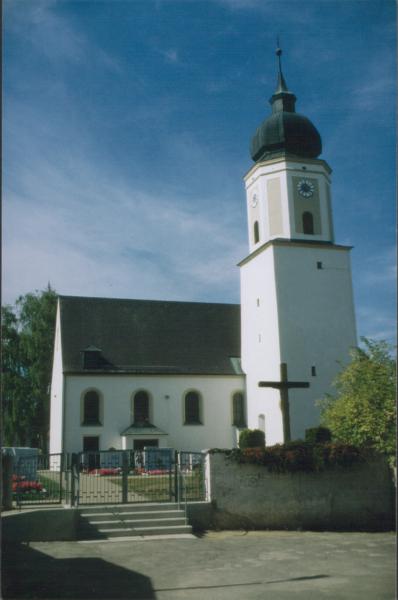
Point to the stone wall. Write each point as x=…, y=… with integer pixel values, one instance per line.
x=247, y=496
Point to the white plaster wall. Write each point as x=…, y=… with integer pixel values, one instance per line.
x=56, y=401
x=256, y=181
x=167, y=394
x=316, y=322
x=260, y=343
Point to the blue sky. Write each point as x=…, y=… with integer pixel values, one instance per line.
x=126, y=135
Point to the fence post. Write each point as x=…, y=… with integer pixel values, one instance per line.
x=74, y=484
x=207, y=475
x=7, y=464
x=176, y=483
x=125, y=473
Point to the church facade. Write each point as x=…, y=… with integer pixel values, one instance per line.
x=133, y=373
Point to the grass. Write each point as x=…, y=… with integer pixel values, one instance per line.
x=161, y=487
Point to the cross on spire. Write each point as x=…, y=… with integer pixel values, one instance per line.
x=283, y=386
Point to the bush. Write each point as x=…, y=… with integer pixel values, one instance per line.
x=318, y=435
x=299, y=456
x=251, y=438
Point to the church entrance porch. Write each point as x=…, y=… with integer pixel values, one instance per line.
x=141, y=444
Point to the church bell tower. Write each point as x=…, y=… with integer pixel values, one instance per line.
x=298, y=321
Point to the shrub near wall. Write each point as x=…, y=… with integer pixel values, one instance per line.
x=299, y=485
x=299, y=456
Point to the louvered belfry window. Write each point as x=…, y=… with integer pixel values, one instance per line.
x=308, y=223
x=192, y=408
x=141, y=407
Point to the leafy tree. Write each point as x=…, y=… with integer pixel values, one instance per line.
x=27, y=347
x=15, y=387
x=363, y=412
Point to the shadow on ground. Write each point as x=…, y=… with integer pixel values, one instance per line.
x=28, y=573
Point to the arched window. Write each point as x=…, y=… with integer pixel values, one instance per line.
x=238, y=410
x=308, y=223
x=141, y=407
x=192, y=408
x=256, y=232
x=91, y=408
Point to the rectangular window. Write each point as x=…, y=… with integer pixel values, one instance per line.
x=319, y=265
x=313, y=371
x=238, y=410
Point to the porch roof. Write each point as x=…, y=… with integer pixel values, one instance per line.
x=143, y=430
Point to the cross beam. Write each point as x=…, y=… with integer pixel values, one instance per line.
x=283, y=386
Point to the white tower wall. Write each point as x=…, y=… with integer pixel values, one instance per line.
x=296, y=294
x=316, y=322
x=261, y=343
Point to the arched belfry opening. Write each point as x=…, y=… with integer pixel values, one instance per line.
x=308, y=223
x=256, y=232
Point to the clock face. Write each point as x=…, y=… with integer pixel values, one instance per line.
x=254, y=200
x=305, y=188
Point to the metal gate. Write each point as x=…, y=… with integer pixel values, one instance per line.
x=130, y=476
x=110, y=477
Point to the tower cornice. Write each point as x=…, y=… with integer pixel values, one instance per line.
x=286, y=158
x=293, y=243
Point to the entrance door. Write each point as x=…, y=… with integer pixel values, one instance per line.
x=91, y=451
x=141, y=444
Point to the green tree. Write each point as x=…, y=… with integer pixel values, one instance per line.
x=27, y=348
x=363, y=411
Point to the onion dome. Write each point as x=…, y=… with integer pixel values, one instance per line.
x=285, y=131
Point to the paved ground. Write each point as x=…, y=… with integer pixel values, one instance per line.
x=226, y=565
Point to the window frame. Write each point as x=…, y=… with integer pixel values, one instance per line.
x=308, y=223
x=256, y=232
x=200, y=420
x=240, y=424
x=132, y=406
x=100, y=411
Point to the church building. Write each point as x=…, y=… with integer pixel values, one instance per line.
x=128, y=374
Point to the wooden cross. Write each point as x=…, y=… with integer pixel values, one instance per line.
x=283, y=385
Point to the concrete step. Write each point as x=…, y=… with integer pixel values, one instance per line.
x=145, y=506
x=131, y=514
x=165, y=529
x=132, y=522
x=121, y=532
x=109, y=521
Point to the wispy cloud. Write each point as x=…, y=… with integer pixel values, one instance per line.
x=54, y=37
x=376, y=325
x=380, y=269
x=171, y=55
x=88, y=232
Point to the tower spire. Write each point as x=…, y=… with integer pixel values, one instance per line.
x=281, y=85
x=282, y=99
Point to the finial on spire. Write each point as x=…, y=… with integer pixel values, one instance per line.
x=278, y=53
x=281, y=85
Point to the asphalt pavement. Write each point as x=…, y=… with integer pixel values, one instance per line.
x=234, y=565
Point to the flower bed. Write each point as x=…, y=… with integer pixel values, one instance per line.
x=25, y=487
x=105, y=472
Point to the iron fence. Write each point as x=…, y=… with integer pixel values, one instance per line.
x=110, y=477
x=39, y=479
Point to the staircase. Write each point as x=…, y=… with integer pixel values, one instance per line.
x=120, y=521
